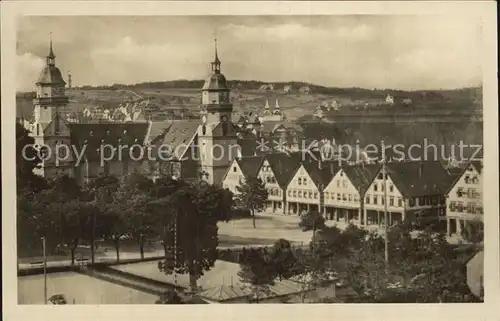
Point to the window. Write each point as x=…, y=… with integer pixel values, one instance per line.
x=304, y=180
x=421, y=200
x=380, y=176
x=382, y=187
x=344, y=183
x=235, y=169
x=338, y=183
x=460, y=207
x=344, y=197
x=289, y=193
x=375, y=187
x=412, y=202
x=391, y=201
x=338, y=197
x=300, y=181
x=453, y=206
x=391, y=188
x=294, y=193
x=382, y=200
x=315, y=195
x=467, y=179
x=400, y=202
x=367, y=200
x=460, y=192
x=204, y=129
x=300, y=194
x=375, y=200
x=349, y=196
x=475, y=180
x=310, y=194
x=326, y=195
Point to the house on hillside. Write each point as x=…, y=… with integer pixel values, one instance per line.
x=266, y=87
x=464, y=201
x=305, y=90
x=406, y=101
x=389, y=100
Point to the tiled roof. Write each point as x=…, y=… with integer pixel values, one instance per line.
x=457, y=172
x=225, y=293
x=361, y=175
x=180, y=133
x=283, y=167
x=51, y=75
x=419, y=178
x=158, y=128
x=228, y=292
x=215, y=81
x=250, y=166
x=96, y=135
x=320, y=176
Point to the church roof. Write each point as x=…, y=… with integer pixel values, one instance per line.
x=180, y=134
x=97, y=135
x=215, y=81
x=50, y=75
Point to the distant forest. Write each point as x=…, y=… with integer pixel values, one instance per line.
x=358, y=93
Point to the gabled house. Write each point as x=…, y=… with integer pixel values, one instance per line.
x=415, y=192
x=305, y=189
x=344, y=195
x=464, y=202
x=240, y=170
x=276, y=172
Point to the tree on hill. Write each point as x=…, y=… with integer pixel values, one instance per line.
x=253, y=195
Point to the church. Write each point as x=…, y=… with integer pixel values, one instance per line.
x=196, y=149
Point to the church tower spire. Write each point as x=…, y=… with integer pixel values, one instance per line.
x=51, y=58
x=216, y=133
x=216, y=63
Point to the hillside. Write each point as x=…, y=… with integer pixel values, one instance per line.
x=170, y=98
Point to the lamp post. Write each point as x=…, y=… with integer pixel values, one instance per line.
x=386, y=239
x=44, y=270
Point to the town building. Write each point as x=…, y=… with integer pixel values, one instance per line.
x=304, y=192
x=240, y=170
x=344, y=195
x=195, y=149
x=415, y=192
x=464, y=203
x=276, y=171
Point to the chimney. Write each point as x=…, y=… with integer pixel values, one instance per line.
x=421, y=170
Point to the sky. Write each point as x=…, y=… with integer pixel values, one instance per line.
x=398, y=52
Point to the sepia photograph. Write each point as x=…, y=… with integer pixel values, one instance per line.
x=250, y=159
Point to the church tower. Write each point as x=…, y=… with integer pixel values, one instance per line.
x=216, y=134
x=49, y=128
